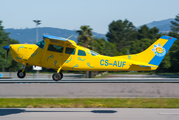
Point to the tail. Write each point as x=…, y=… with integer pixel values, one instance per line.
x=154, y=54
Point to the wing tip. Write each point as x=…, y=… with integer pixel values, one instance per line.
x=54, y=37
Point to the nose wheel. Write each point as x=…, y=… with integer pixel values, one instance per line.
x=21, y=74
x=57, y=76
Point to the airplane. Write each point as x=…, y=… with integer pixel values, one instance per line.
x=64, y=54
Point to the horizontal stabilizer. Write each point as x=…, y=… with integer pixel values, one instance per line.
x=140, y=65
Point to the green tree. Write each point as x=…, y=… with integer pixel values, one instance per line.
x=138, y=46
x=174, y=53
x=85, y=35
x=145, y=32
x=154, y=33
x=175, y=24
x=121, y=33
x=104, y=48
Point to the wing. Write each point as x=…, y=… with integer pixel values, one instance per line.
x=58, y=40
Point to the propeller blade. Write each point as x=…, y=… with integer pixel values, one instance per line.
x=7, y=56
x=7, y=47
x=8, y=41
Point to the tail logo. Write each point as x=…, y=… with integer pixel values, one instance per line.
x=159, y=50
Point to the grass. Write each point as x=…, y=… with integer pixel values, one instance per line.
x=89, y=102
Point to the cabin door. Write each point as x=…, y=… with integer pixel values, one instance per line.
x=54, y=56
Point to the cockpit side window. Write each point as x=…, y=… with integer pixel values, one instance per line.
x=41, y=44
x=81, y=53
x=55, y=48
x=70, y=51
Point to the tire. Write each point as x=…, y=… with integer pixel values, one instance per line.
x=61, y=75
x=56, y=77
x=21, y=74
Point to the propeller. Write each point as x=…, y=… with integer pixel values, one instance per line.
x=7, y=47
x=7, y=56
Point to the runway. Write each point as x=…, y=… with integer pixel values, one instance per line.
x=89, y=114
x=89, y=90
x=93, y=80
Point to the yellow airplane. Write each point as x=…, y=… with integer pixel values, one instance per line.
x=63, y=54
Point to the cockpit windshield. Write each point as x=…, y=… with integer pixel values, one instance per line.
x=93, y=53
x=41, y=44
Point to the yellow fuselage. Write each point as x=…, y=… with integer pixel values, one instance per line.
x=31, y=54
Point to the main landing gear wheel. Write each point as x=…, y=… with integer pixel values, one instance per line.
x=61, y=74
x=57, y=76
x=21, y=74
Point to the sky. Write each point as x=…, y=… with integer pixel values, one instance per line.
x=71, y=14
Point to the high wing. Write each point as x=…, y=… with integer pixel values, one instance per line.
x=49, y=39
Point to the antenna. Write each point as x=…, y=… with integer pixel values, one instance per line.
x=128, y=52
x=69, y=37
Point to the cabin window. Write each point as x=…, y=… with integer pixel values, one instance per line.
x=41, y=44
x=93, y=53
x=70, y=51
x=81, y=53
x=55, y=48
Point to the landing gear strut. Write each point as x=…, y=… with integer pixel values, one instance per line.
x=21, y=73
x=57, y=76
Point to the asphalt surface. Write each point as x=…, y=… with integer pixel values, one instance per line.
x=93, y=80
x=89, y=90
x=88, y=114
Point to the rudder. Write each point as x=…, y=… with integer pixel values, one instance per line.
x=160, y=51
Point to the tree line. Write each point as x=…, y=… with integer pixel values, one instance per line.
x=122, y=38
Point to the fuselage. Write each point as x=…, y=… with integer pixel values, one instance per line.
x=69, y=58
